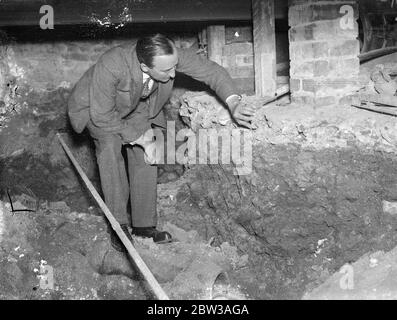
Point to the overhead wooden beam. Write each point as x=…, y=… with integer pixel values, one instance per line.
x=216, y=40
x=264, y=47
x=27, y=12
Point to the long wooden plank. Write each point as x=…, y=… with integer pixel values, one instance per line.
x=154, y=285
x=364, y=57
x=216, y=39
x=264, y=47
x=382, y=110
x=384, y=99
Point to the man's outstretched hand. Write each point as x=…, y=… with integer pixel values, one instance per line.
x=242, y=113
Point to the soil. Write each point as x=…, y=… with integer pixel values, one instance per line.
x=54, y=253
x=311, y=213
x=306, y=214
x=312, y=203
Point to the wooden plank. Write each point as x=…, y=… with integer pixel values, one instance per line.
x=27, y=12
x=264, y=47
x=382, y=110
x=364, y=57
x=216, y=42
x=383, y=99
x=147, y=274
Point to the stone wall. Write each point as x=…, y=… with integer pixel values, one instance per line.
x=324, y=51
x=29, y=72
x=47, y=66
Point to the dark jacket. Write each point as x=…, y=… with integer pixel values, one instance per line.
x=109, y=92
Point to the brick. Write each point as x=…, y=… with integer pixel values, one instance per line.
x=295, y=85
x=302, y=99
x=309, y=100
x=310, y=85
x=306, y=13
x=308, y=51
x=304, y=51
x=316, y=68
x=303, y=69
x=325, y=101
x=346, y=48
x=320, y=30
x=330, y=86
x=348, y=100
x=342, y=67
x=301, y=33
x=321, y=68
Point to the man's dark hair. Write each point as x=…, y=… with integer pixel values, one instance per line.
x=153, y=45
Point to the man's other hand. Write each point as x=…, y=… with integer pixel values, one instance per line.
x=242, y=113
x=151, y=147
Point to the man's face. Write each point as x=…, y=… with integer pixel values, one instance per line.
x=163, y=67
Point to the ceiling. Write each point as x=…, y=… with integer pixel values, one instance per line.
x=71, y=12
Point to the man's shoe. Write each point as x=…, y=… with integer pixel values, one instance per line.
x=152, y=232
x=115, y=240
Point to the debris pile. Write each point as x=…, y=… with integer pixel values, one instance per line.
x=379, y=95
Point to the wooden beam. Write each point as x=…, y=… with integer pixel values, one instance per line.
x=216, y=39
x=27, y=12
x=264, y=47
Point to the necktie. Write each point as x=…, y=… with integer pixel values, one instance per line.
x=146, y=90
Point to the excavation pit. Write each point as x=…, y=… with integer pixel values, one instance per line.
x=313, y=202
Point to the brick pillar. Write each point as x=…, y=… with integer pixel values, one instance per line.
x=324, y=51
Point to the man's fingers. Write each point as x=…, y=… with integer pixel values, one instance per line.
x=248, y=112
x=243, y=117
x=244, y=124
x=248, y=108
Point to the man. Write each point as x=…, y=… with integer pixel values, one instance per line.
x=118, y=100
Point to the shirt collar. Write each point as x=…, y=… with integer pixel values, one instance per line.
x=145, y=76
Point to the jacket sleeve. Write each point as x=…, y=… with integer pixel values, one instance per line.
x=208, y=72
x=107, y=73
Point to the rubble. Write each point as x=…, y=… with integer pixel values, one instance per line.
x=312, y=202
x=378, y=95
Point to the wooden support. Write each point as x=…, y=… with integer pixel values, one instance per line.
x=264, y=47
x=27, y=12
x=216, y=39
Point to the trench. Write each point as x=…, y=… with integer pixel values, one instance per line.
x=300, y=216
x=304, y=216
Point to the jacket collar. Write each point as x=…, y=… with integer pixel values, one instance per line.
x=137, y=78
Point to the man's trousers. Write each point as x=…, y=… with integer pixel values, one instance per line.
x=142, y=185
